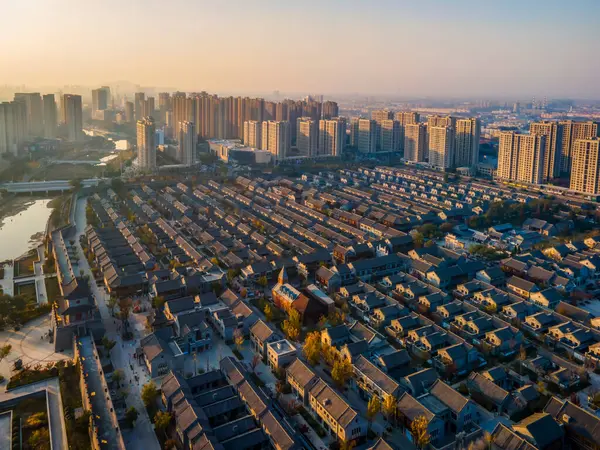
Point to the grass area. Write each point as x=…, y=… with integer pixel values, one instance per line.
x=60, y=210
x=77, y=429
x=24, y=266
x=32, y=375
x=68, y=172
x=26, y=290
x=52, y=289
x=33, y=416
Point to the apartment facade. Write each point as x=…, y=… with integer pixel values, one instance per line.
x=441, y=147
x=466, y=146
x=332, y=137
x=307, y=134
x=146, y=130
x=552, y=156
x=521, y=157
x=415, y=141
x=585, y=170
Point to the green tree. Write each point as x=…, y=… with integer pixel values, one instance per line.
x=40, y=439
x=418, y=239
x=388, y=407
x=162, y=421
x=262, y=281
x=312, y=347
x=118, y=376
x=341, y=372
x=268, y=313
x=149, y=394
x=158, y=302
x=419, y=431
x=107, y=343
x=131, y=416
x=373, y=407
x=112, y=304
x=291, y=326
x=5, y=351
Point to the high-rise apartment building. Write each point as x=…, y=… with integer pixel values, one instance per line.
x=252, y=133
x=389, y=131
x=381, y=114
x=100, y=99
x=552, y=154
x=405, y=118
x=164, y=101
x=139, y=100
x=129, y=114
x=188, y=139
x=180, y=111
x=307, y=136
x=367, y=136
x=354, y=131
x=440, y=121
x=521, y=157
x=73, y=116
x=148, y=107
x=330, y=110
x=50, y=122
x=415, y=140
x=466, y=145
x=332, y=136
x=13, y=125
x=571, y=131
x=34, y=113
x=585, y=170
x=441, y=147
x=146, y=145
x=276, y=138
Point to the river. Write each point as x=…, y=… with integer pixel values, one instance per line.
x=28, y=217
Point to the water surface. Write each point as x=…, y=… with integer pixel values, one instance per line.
x=17, y=228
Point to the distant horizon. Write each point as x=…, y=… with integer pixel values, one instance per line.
x=399, y=48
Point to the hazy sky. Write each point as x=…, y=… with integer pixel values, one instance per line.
x=400, y=47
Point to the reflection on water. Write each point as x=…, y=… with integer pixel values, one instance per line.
x=16, y=230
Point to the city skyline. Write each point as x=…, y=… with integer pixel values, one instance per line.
x=497, y=61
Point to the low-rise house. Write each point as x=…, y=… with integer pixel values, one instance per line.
x=393, y=362
x=548, y=298
x=382, y=317
x=450, y=310
x=301, y=379
x=400, y=327
x=418, y=382
x=260, y=335
x=582, y=429
x=353, y=350
x=515, y=311
x=540, y=322
x=409, y=408
x=369, y=380
x=366, y=303
x=336, y=336
x=492, y=275
x=328, y=279
x=335, y=414
x=463, y=412
x=430, y=303
x=503, y=341
x=280, y=354
x=456, y=359
x=488, y=394
x=521, y=287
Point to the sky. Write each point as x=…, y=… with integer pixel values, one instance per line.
x=406, y=48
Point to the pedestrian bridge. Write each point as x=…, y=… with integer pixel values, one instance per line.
x=46, y=186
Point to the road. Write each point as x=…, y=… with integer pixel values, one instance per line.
x=142, y=436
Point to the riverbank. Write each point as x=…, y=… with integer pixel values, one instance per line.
x=11, y=205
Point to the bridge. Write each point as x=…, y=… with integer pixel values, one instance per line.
x=47, y=186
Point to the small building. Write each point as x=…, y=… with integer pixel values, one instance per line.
x=280, y=354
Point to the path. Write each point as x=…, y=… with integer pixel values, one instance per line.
x=143, y=436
